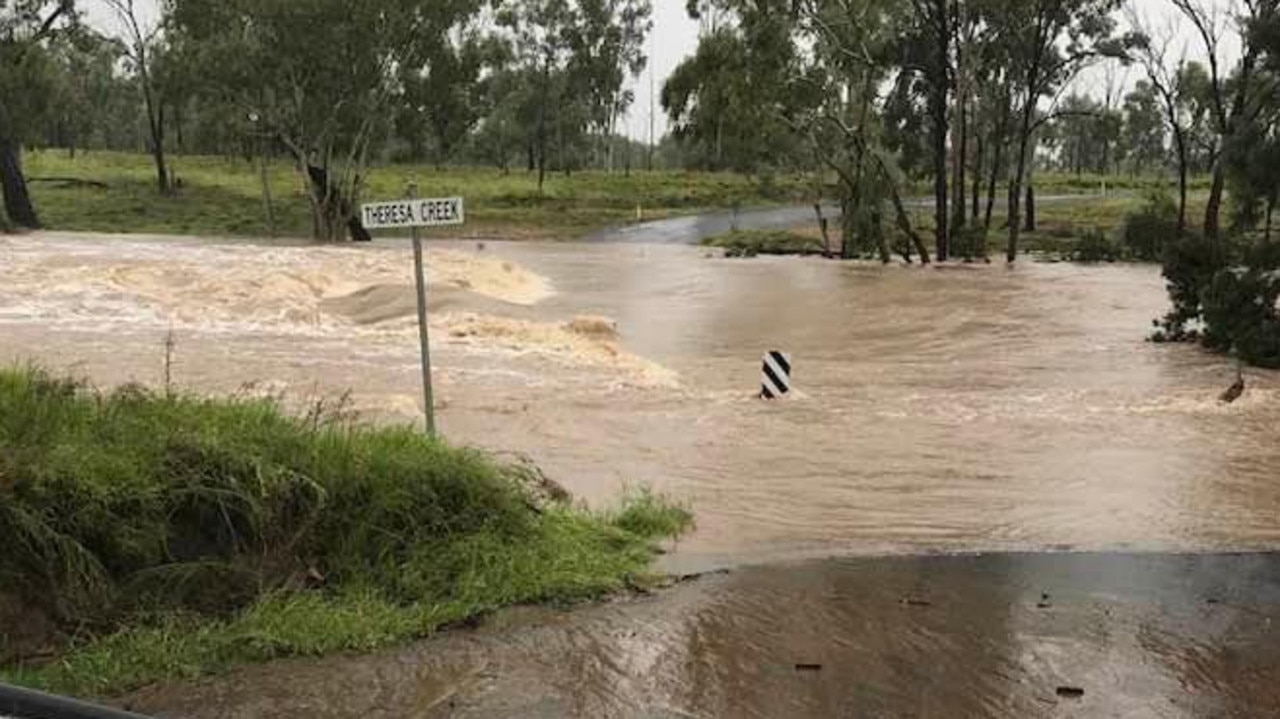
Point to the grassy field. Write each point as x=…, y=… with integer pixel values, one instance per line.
x=152, y=537
x=222, y=197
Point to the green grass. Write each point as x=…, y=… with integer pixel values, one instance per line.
x=1061, y=226
x=168, y=536
x=749, y=243
x=222, y=197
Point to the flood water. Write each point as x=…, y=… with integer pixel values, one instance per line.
x=963, y=408
x=1019, y=636
x=954, y=410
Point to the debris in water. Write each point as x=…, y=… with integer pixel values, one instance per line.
x=599, y=328
x=1045, y=602
x=1070, y=692
x=808, y=667
x=1234, y=392
x=915, y=602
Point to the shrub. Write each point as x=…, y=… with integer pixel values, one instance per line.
x=1147, y=231
x=1240, y=315
x=749, y=243
x=970, y=243
x=1097, y=246
x=1190, y=263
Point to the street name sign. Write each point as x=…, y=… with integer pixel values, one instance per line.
x=436, y=212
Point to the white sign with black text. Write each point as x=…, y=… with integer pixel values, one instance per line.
x=413, y=213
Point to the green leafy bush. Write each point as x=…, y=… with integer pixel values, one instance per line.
x=749, y=243
x=970, y=243
x=1240, y=315
x=1190, y=263
x=1224, y=296
x=1097, y=246
x=1147, y=231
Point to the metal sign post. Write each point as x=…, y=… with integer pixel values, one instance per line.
x=415, y=213
x=424, y=338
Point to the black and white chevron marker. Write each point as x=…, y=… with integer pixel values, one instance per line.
x=777, y=375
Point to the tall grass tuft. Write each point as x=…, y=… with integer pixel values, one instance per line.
x=178, y=525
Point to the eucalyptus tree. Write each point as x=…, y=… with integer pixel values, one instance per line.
x=321, y=77
x=1049, y=42
x=142, y=42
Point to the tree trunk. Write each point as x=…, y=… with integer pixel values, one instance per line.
x=1031, y=208
x=904, y=224
x=997, y=164
x=269, y=215
x=541, y=124
x=719, y=160
x=900, y=210
x=178, y=129
x=1213, y=210
x=960, y=161
x=977, y=177
x=938, y=101
x=1180, y=141
x=1015, y=219
x=334, y=207
x=162, y=172
x=1271, y=208
x=822, y=227
x=17, y=201
x=155, y=123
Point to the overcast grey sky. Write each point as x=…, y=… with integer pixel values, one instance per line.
x=675, y=36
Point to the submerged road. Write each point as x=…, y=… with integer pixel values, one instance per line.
x=692, y=229
x=1004, y=635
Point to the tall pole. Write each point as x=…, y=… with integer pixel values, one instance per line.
x=264, y=137
x=420, y=278
x=653, y=88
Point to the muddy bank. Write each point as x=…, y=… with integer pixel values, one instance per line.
x=1011, y=635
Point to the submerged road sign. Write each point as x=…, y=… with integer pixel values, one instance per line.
x=413, y=213
x=776, y=380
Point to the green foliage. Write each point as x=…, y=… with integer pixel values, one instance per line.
x=749, y=243
x=1190, y=263
x=726, y=102
x=1147, y=230
x=1240, y=312
x=175, y=535
x=1095, y=245
x=1144, y=128
x=650, y=515
x=1087, y=133
x=970, y=243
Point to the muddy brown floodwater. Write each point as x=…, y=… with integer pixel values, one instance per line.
x=958, y=409
x=969, y=408
x=1020, y=636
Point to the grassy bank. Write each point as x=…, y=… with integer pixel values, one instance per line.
x=221, y=196
x=153, y=537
